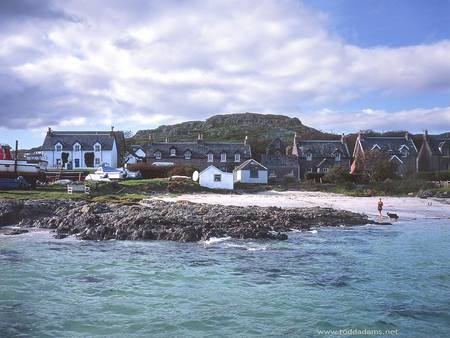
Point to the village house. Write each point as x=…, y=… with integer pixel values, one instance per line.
x=278, y=162
x=199, y=154
x=434, y=154
x=82, y=149
x=401, y=150
x=251, y=171
x=135, y=154
x=318, y=156
x=214, y=178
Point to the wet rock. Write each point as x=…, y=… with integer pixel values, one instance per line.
x=180, y=221
x=16, y=232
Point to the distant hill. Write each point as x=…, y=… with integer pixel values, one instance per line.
x=260, y=129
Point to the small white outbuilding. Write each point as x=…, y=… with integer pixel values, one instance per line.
x=251, y=171
x=215, y=178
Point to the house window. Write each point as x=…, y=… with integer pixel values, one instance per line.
x=58, y=161
x=77, y=163
x=187, y=155
x=77, y=147
x=158, y=155
x=237, y=157
x=254, y=172
x=325, y=170
x=173, y=152
x=223, y=157
x=404, y=151
x=309, y=157
x=210, y=157
x=338, y=157
x=217, y=177
x=97, y=148
x=310, y=170
x=58, y=147
x=97, y=161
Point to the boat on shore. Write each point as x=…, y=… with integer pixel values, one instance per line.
x=13, y=168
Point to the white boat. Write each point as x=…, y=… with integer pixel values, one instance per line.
x=10, y=168
x=111, y=173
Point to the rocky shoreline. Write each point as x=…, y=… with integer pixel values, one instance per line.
x=160, y=220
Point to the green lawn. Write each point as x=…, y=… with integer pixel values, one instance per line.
x=123, y=191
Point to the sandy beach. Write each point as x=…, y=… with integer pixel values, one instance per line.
x=407, y=208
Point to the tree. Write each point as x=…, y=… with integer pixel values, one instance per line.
x=337, y=174
x=377, y=166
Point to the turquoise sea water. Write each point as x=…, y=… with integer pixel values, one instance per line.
x=361, y=278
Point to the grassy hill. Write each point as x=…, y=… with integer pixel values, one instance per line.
x=260, y=129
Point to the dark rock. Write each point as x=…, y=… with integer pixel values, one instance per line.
x=159, y=220
x=16, y=232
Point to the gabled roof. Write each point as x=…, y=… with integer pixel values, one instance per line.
x=279, y=161
x=87, y=139
x=391, y=145
x=322, y=148
x=214, y=168
x=437, y=144
x=200, y=149
x=247, y=165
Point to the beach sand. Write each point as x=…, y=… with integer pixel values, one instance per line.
x=407, y=208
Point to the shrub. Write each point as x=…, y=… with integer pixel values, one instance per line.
x=316, y=177
x=337, y=174
x=182, y=170
x=434, y=176
x=288, y=180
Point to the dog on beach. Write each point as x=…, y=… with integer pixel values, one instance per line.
x=392, y=215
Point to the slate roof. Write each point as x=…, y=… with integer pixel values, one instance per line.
x=437, y=144
x=249, y=164
x=86, y=139
x=322, y=148
x=134, y=148
x=390, y=145
x=326, y=162
x=279, y=161
x=199, y=149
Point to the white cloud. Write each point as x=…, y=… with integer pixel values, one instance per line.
x=414, y=120
x=133, y=65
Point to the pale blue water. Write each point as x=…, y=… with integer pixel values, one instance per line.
x=372, y=277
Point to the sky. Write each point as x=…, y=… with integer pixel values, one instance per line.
x=337, y=65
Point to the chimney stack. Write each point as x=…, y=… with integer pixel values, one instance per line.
x=245, y=140
x=167, y=140
x=49, y=131
x=150, y=137
x=112, y=131
x=343, y=138
x=406, y=136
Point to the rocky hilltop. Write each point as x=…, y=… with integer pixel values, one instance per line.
x=159, y=220
x=260, y=129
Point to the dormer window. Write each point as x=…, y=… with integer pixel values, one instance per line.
x=309, y=156
x=404, y=150
x=337, y=157
x=58, y=147
x=210, y=157
x=223, y=157
x=237, y=157
x=97, y=147
x=376, y=147
x=173, y=152
x=77, y=147
x=187, y=155
x=158, y=155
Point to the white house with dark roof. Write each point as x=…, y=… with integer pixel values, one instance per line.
x=214, y=178
x=251, y=171
x=81, y=149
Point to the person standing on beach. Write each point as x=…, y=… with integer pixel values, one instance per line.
x=380, y=208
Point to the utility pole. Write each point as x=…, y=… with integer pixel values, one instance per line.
x=15, y=158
